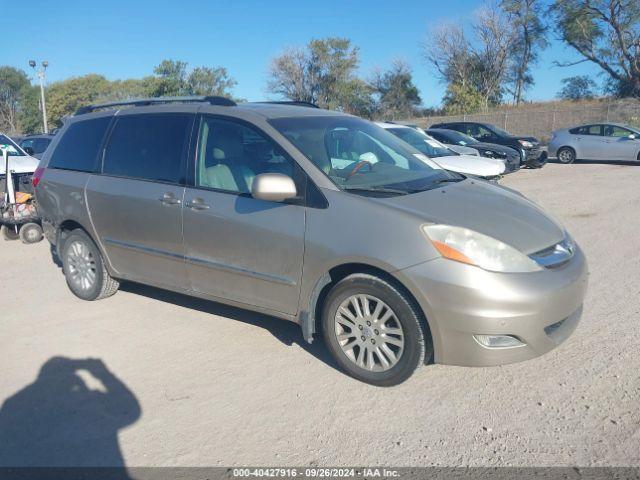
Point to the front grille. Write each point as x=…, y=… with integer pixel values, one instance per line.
x=555, y=255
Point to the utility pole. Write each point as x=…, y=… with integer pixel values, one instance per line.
x=40, y=73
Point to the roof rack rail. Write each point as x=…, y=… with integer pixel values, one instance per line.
x=140, y=102
x=296, y=103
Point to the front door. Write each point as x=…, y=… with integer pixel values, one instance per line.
x=236, y=247
x=136, y=203
x=619, y=145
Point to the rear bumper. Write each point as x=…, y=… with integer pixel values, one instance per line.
x=541, y=309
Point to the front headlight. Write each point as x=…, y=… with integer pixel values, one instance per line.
x=525, y=143
x=466, y=246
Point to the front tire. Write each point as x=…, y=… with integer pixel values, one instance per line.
x=566, y=155
x=84, y=268
x=374, y=330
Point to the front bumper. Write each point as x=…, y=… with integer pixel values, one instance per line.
x=534, y=157
x=461, y=301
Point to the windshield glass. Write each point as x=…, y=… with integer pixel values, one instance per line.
x=500, y=131
x=458, y=138
x=12, y=148
x=423, y=142
x=358, y=155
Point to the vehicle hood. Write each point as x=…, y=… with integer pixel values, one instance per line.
x=485, y=208
x=495, y=147
x=22, y=164
x=533, y=140
x=471, y=165
x=461, y=149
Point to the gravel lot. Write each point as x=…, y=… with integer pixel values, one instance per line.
x=203, y=384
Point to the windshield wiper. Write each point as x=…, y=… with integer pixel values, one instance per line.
x=447, y=180
x=379, y=189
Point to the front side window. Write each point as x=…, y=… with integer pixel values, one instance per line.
x=79, y=145
x=422, y=142
x=616, y=131
x=148, y=147
x=361, y=156
x=9, y=145
x=230, y=155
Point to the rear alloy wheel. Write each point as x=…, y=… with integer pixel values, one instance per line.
x=374, y=330
x=84, y=269
x=30, y=233
x=566, y=155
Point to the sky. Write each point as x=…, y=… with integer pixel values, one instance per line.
x=126, y=39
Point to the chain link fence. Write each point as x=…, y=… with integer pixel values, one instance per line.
x=540, y=122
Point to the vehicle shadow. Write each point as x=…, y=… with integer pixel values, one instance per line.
x=286, y=332
x=600, y=162
x=69, y=417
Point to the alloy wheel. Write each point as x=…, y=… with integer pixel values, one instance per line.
x=81, y=266
x=369, y=333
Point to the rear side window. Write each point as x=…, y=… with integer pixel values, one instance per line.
x=148, y=147
x=78, y=148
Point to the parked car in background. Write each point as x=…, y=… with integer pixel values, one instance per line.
x=531, y=152
x=459, y=142
x=602, y=141
x=488, y=168
x=21, y=164
x=35, y=145
x=402, y=259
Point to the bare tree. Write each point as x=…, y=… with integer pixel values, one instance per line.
x=450, y=52
x=478, y=62
x=495, y=36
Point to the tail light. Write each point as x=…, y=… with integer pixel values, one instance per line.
x=37, y=176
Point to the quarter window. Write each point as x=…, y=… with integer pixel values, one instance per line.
x=148, y=147
x=79, y=145
x=230, y=155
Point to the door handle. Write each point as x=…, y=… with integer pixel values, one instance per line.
x=197, y=204
x=169, y=199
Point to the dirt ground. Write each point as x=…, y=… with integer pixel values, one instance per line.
x=150, y=378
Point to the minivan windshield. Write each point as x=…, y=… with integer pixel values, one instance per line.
x=360, y=156
x=12, y=149
x=422, y=142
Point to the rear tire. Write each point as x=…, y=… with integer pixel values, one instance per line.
x=566, y=155
x=84, y=269
x=374, y=330
x=9, y=233
x=30, y=233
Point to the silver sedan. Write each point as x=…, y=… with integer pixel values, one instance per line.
x=603, y=141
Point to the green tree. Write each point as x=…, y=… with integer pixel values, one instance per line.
x=577, y=88
x=322, y=72
x=210, y=81
x=460, y=99
x=605, y=33
x=396, y=93
x=530, y=37
x=66, y=96
x=16, y=92
x=170, y=79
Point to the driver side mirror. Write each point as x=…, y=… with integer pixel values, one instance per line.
x=29, y=150
x=632, y=136
x=273, y=187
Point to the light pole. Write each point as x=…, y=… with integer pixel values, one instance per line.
x=40, y=73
